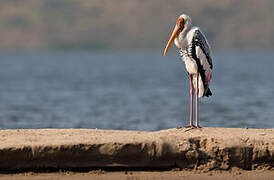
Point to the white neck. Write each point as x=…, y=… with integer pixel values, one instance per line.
x=188, y=26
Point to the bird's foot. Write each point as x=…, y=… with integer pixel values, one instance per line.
x=190, y=126
x=193, y=127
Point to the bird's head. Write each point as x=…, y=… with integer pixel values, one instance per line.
x=183, y=23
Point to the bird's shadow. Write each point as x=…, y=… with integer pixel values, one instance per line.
x=188, y=128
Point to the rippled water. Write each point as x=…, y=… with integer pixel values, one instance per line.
x=142, y=91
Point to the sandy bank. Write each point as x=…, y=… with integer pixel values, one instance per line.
x=147, y=175
x=200, y=149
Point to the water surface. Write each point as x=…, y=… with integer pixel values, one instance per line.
x=140, y=91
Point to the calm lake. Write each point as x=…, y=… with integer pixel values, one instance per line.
x=136, y=91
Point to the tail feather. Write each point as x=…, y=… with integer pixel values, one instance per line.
x=208, y=93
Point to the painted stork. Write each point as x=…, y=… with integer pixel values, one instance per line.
x=196, y=54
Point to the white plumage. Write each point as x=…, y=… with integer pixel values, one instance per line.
x=196, y=54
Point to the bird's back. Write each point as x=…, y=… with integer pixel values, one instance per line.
x=199, y=50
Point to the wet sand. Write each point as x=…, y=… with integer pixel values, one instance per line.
x=133, y=175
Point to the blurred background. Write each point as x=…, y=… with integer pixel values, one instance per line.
x=99, y=64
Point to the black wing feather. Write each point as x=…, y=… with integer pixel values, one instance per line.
x=199, y=40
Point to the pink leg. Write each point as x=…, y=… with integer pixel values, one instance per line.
x=191, y=102
x=197, y=102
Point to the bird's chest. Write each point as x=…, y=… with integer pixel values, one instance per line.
x=181, y=42
x=185, y=45
x=190, y=64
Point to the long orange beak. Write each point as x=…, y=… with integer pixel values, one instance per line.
x=172, y=37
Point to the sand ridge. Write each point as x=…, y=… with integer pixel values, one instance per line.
x=199, y=149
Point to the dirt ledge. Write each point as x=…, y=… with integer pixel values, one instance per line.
x=199, y=149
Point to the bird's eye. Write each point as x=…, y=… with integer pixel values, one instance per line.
x=182, y=24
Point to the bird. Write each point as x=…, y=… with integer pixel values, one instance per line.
x=196, y=54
